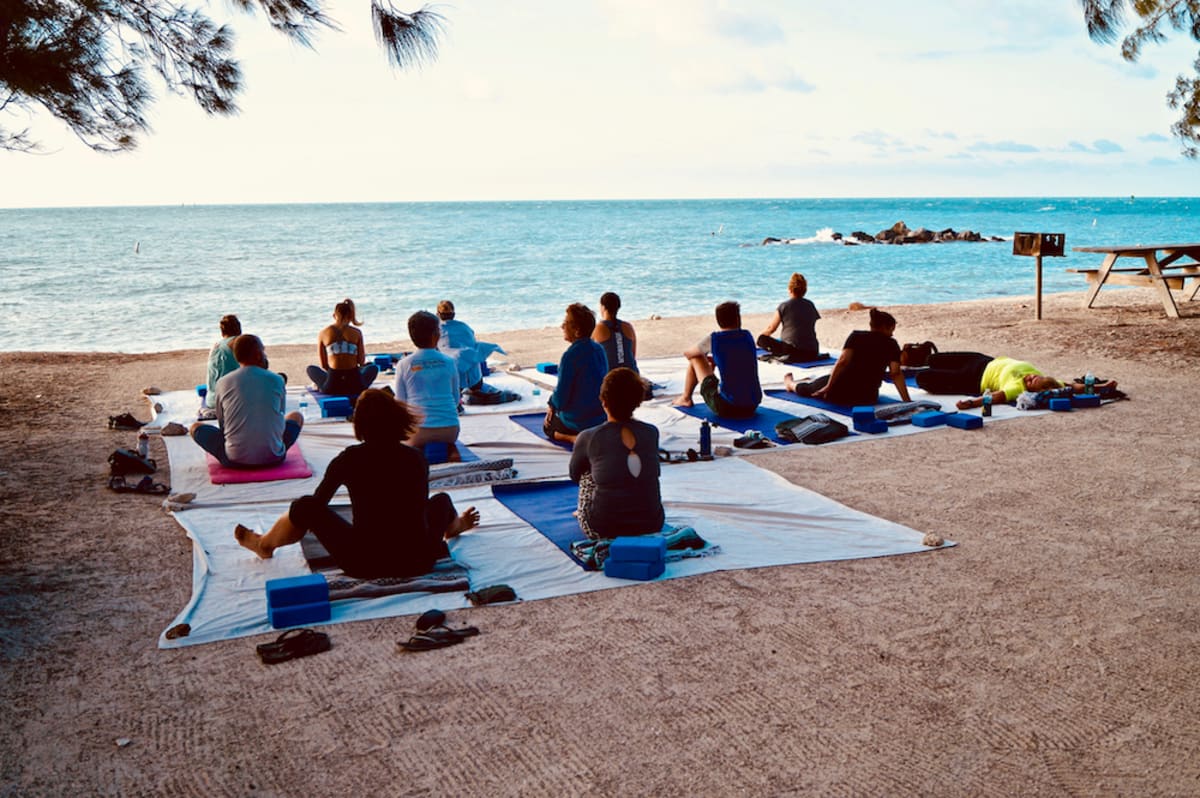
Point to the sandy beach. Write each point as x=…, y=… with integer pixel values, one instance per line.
x=1052, y=652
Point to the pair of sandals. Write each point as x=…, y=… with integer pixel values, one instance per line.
x=144, y=485
x=432, y=633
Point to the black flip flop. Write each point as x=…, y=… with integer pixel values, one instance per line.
x=293, y=644
x=145, y=485
x=125, y=421
x=437, y=637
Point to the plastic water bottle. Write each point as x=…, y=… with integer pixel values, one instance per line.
x=705, y=439
x=304, y=409
x=1089, y=383
x=143, y=444
x=987, y=404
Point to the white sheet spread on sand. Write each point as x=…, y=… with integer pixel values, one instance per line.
x=757, y=518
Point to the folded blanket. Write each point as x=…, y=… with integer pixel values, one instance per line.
x=451, y=475
x=682, y=542
x=447, y=576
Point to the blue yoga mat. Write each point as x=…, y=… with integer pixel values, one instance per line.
x=533, y=422
x=549, y=508
x=763, y=420
x=821, y=404
x=807, y=364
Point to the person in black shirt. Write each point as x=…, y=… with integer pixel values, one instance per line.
x=856, y=376
x=397, y=529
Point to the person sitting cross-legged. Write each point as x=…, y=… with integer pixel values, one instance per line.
x=397, y=528
x=729, y=383
x=252, y=431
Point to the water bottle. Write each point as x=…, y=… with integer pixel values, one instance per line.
x=143, y=444
x=304, y=409
x=987, y=404
x=1089, y=383
x=705, y=439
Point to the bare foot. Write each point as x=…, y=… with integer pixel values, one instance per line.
x=468, y=520
x=683, y=401
x=251, y=540
x=789, y=383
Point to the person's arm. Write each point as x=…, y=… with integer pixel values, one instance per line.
x=398, y=387
x=693, y=352
x=776, y=320
x=601, y=333
x=332, y=480
x=579, y=459
x=898, y=380
x=362, y=349
x=998, y=397
x=321, y=350
x=839, y=368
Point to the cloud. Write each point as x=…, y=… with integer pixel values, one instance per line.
x=747, y=28
x=1099, y=147
x=1161, y=162
x=944, y=134
x=1153, y=137
x=1002, y=146
x=754, y=81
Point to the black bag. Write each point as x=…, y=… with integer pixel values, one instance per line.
x=491, y=595
x=917, y=355
x=127, y=461
x=814, y=429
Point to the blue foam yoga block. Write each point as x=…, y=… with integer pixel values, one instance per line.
x=1060, y=404
x=547, y=368
x=436, y=452
x=1085, y=400
x=631, y=569
x=862, y=414
x=292, y=590
x=929, y=418
x=383, y=362
x=652, y=548
x=873, y=425
x=963, y=421
x=335, y=406
x=299, y=614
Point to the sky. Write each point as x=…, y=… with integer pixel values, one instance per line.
x=631, y=99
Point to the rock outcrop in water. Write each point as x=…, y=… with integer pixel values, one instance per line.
x=897, y=234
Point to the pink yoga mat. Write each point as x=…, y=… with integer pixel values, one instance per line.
x=292, y=467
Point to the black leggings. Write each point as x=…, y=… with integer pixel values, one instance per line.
x=343, y=382
x=785, y=350
x=352, y=551
x=954, y=373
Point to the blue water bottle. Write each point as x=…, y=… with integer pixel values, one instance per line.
x=705, y=439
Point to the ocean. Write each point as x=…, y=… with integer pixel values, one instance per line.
x=144, y=279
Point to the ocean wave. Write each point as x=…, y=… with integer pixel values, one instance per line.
x=822, y=236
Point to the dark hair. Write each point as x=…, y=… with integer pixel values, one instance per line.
x=230, y=325
x=247, y=348
x=345, y=310
x=621, y=392
x=423, y=329
x=729, y=315
x=881, y=319
x=379, y=416
x=445, y=310
x=582, y=319
x=610, y=302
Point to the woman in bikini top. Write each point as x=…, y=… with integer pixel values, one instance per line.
x=343, y=370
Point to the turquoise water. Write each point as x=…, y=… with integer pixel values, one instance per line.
x=158, y=278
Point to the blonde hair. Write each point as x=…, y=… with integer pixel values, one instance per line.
x=344, y=310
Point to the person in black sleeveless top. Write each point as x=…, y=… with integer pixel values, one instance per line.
x=616, y=336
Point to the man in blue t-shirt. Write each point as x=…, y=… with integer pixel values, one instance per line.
x=736, y=392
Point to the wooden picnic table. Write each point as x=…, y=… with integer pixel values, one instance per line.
x=1162, y=271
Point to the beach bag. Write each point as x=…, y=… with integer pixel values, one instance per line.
x=127, y=461
x=814, y=429
x=917, y=355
